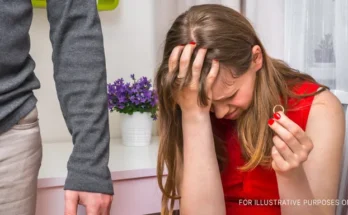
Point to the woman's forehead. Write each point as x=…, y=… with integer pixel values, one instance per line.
x=224, y=83
x=225, y=77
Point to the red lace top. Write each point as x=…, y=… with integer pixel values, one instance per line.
x=258, y=188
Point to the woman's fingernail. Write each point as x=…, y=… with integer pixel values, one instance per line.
x=277, y=116
x=215, y=61
x=192, y=43
x=270, y=121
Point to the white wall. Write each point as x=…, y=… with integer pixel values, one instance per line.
x=129, y=46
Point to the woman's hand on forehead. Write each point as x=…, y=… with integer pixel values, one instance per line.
x=187, y=96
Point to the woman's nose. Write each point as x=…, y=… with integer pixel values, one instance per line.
x=219, y=110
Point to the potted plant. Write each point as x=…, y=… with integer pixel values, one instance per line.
x=323, y=69
x=137, y=102
x=325, y=51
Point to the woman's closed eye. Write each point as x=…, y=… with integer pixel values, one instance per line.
x=232, y=96
x=227, y=98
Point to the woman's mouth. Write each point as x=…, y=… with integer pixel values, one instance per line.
x=231, y=115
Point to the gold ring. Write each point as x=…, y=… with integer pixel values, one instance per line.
x=274, y=108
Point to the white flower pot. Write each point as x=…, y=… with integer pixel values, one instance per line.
x=136, y=129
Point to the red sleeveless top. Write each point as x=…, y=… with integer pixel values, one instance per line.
x=256, y=191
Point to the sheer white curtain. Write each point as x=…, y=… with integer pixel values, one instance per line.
x=312, y=36
x=316, y=41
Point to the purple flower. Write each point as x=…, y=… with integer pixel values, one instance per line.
x=132, y=97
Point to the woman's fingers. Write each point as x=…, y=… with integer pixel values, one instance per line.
x=198, y=65
x=283, y=149
x=174, y=58
x=212, y=74
x=180, y=60
x=292, y=133
x=182, y=55
x=278, y=162
x=185, y=59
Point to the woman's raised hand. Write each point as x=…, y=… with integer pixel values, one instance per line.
x=187, y=97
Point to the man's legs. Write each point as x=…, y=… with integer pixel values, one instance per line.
x=20, y=160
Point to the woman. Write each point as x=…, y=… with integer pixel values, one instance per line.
x=241, y=132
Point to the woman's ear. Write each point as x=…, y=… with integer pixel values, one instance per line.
x=257, y=58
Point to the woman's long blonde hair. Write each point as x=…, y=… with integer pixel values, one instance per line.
x=229, y=38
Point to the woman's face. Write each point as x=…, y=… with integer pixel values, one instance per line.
x=231, y=96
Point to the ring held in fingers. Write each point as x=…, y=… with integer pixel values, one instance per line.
x=278, y=106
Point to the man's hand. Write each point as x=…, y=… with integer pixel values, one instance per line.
x=95, y=203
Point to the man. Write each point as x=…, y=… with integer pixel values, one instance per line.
x=80, y=77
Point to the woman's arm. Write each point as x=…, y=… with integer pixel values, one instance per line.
x=318, y=178
x=201, y=188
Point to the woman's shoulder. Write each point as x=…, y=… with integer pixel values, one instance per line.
x=327, y=101
x=326, y=121
x=326, y=109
